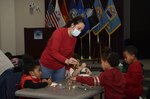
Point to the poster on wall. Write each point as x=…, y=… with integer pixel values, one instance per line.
x=38, y=35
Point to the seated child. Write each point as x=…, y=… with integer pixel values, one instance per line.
x=32, y=74
x=111, y=79
x=134, y=75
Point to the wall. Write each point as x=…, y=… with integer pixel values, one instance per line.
x=24, y=19
x=126, y=19
x=7, y=26
x=140, y=20
x=14, y=17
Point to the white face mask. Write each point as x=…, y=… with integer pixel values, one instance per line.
x=76, y=32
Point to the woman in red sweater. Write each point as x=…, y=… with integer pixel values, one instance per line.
x=59, y=50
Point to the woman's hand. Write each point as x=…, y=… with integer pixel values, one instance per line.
x=72, y=61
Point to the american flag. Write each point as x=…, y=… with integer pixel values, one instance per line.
x=53, y=16
x=50, y=17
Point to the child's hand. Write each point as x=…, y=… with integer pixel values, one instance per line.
x=49, y=81
x=73, y=78
x=83, y=65
x=44, y=80
x=88, y=71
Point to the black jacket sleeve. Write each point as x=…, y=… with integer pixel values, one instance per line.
x=30, y=84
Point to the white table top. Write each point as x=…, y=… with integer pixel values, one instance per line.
x=58, y=93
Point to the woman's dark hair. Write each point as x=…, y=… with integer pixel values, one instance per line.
x=111, y=57
x=131, y=50
x=76, y=20
x=29, y=63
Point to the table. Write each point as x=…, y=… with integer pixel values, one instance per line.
x=58, y=93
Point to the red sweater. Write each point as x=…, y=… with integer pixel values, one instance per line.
x=60, y=47
x=28, y=77
x=112, y=80
x=134, y=79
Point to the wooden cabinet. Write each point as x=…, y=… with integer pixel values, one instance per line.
x=36, y=40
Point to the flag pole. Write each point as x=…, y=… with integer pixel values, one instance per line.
x=89, y=45
x=109, y=39
x=81, y=49
x=97, y=38
x=98, y=41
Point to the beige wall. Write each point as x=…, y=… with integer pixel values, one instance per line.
x=26, y=20
x=7, y=26
x=14, y=17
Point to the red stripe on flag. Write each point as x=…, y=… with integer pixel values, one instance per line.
x=51, y=20
x=47, y=20
x=55, y=18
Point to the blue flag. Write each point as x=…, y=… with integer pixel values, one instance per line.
x=72, y=9
x=114, y=21
x=82, y=13
x=102, y=17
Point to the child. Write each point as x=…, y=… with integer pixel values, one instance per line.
x=111, y=79
x=134, y=75
x=32, y=74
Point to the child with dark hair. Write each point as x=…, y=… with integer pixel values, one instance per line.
x=111, y=79
x=134, y=75
x=32, y=74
